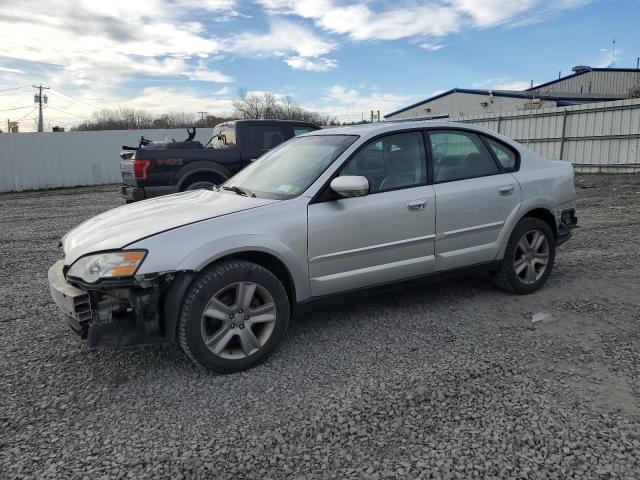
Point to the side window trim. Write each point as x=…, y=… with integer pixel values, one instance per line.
x=480, y=136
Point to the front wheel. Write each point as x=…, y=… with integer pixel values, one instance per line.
x=529, y=257
x=233, y=316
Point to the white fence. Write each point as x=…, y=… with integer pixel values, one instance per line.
x=30, y=161
x=597, y=137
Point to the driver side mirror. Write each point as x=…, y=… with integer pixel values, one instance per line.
x=350, y=186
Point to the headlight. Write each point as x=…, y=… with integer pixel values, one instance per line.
x=107, y=265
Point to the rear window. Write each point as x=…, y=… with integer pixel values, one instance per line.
x=224, y=136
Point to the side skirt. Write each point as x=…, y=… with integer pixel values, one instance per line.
x=349, y=295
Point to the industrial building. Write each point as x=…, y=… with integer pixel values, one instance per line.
x=585, y=85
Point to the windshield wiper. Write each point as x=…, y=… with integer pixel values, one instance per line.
x=239, y=191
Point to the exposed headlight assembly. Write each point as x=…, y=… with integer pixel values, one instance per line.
x=92, y=268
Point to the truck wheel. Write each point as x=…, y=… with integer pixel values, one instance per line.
x=201, y=184
x=528, y=259
x=233, y=316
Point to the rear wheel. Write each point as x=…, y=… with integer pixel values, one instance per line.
x=529, y=257
x=233, y=316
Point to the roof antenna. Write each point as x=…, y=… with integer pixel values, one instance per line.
x=613, y=55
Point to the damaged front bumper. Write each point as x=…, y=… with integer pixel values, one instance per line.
x=135, y=312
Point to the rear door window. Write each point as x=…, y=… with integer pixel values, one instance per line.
x=458, y=155
x=263, y=138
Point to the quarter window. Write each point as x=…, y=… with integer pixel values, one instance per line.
x=458, y=155
x=505, y=155
x=391, y=162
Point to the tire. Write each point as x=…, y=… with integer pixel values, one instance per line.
x=200, y=184
x=522, y=269
x=233, y=316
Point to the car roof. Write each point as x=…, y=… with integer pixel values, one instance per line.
x=372, y=129
x=270, y=121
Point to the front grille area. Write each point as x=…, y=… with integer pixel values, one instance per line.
x=82, y=307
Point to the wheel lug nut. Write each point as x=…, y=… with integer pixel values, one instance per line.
x=233, y=325
x=246, y=317
x=241, y=326
x=231, y=316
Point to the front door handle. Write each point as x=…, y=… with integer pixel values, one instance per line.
x=417, y=205
x=505, y=190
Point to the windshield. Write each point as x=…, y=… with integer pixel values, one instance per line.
x=290, y=169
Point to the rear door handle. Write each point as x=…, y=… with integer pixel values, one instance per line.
x=417, y=205
x=506, y=190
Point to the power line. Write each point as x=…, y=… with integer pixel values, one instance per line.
x=16, y=108
x=14, y=88
x=77, y=100
x=22, y=118
x=68, y=113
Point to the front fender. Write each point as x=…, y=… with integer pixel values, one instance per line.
x=223, y=247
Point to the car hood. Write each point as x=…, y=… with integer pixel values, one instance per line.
x=121, y=226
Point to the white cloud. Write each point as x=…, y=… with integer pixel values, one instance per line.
x=358, y=102
x=283, y=38
x=431, y=47
x=502, y=83
x=223, y=91
x=118, y=40
x=492, y=12
x=415, y=20
x=11, y=70
x=302, y=48
x=518, y=85
x=607, y=57
x=204, y=75
x=156, y=99
x=319, y=65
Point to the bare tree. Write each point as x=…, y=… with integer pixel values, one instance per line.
x=634, y=92
x=267, y=105
x=130, y=119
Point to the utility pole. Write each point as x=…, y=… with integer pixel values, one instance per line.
x=202, y=117
x=39, y=99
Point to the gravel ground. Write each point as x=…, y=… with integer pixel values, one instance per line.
x=448, y=380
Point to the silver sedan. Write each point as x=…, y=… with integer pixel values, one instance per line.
x=334, y=211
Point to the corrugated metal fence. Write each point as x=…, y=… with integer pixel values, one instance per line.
x=597, y=137
x=30, y=161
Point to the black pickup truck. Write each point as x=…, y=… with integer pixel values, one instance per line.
x=158, y=168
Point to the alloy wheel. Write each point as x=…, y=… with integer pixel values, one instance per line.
x=238, y=320
x=531, y=256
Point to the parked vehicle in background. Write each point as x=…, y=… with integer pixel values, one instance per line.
x=160, y=168
x=330, y=212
